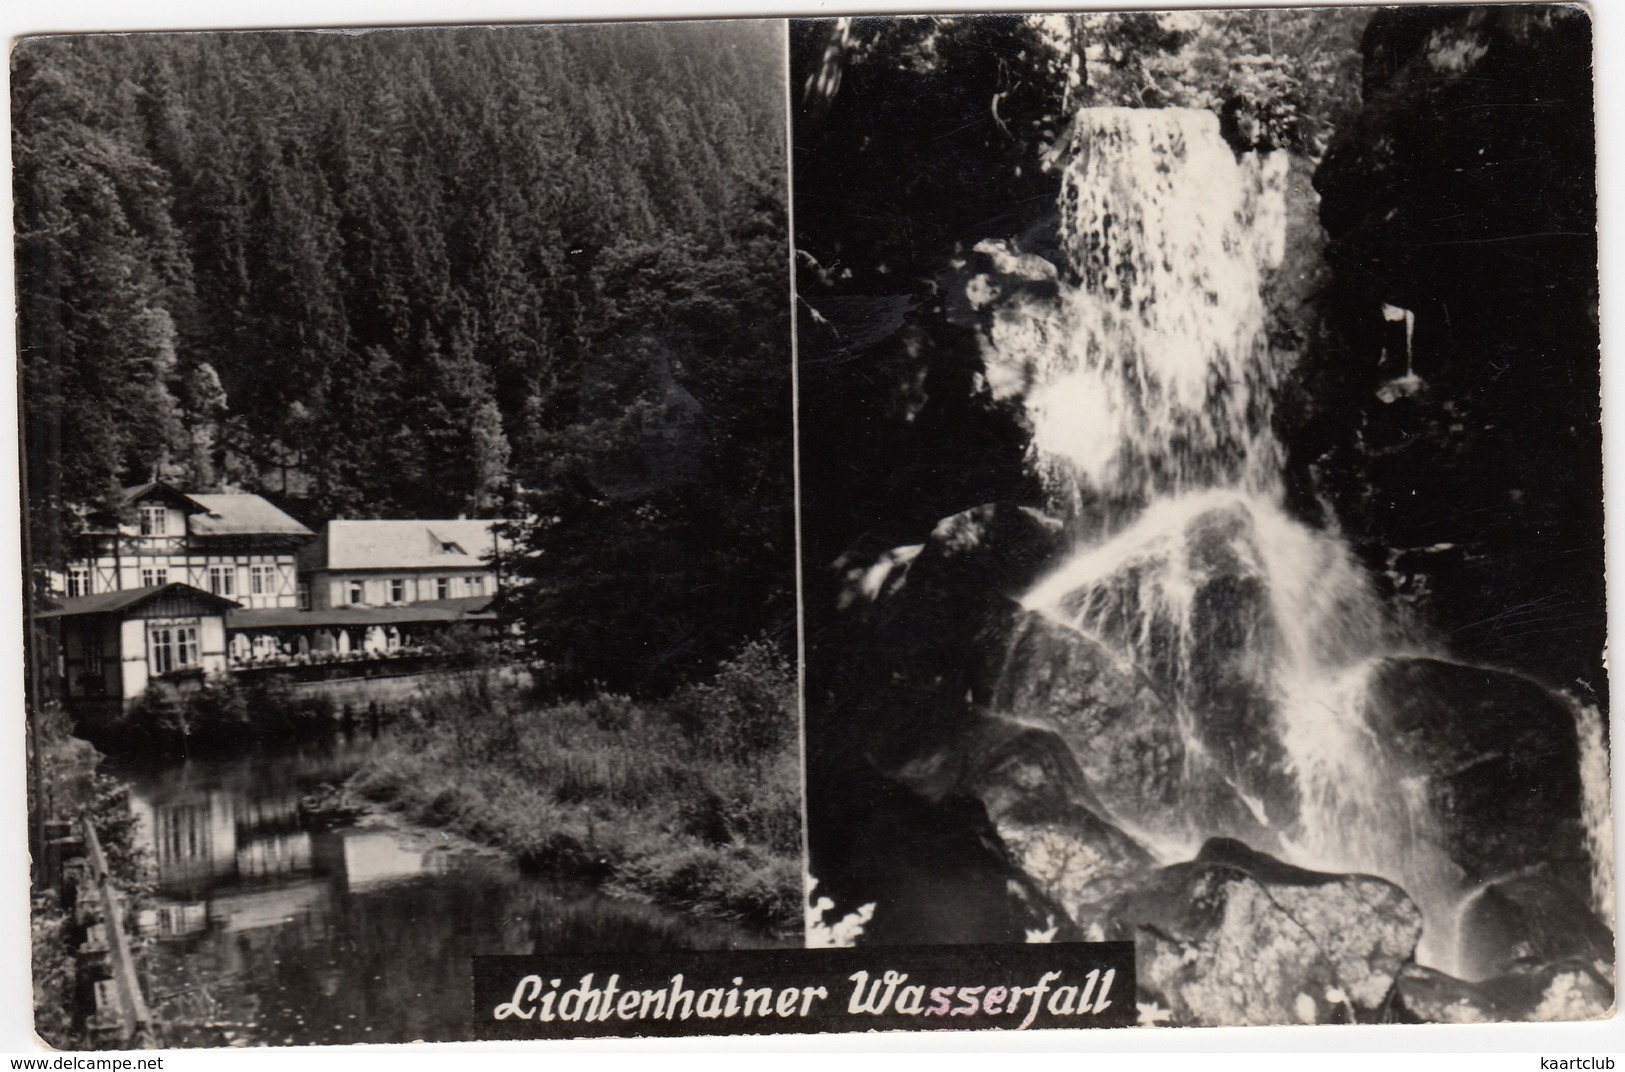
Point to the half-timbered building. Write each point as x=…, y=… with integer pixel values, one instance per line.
x=112, y=645
x=234, y=545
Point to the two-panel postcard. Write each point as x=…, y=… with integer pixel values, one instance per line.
x=916, y=523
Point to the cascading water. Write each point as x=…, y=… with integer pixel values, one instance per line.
x=1596, y=806
x=1149, y=385
x=1152, y=377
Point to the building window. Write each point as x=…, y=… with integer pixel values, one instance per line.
x=171, y=647
x=397, y=590
x=442, y=587
x=357, y=591
x=78, y=581
x=476, y=584
x=223, y=580
x=152, y=576
x=304, y=596
x=154, y=520
x=93, y=652
x=262, y=580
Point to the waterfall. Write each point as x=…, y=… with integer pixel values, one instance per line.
x=1596, y=806
x=1149, y=383
x=1152, y=376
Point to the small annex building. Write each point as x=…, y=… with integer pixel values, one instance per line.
x=112, y=645
x=396, y=563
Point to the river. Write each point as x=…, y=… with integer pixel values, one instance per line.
x=268, y=929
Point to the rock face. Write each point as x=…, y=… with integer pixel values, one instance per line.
x=1432, y=997
x=1124, y=732
x=1237, y=937
x=1450, y=414
x=1502, y=754
x=1045, y=812
x=900, y=761
x=1574, y=988
x=1528, y=918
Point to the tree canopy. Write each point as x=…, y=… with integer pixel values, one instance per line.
x=506, y=272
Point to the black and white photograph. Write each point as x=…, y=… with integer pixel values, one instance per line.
x=1201, y=502
x=889, y=530
x=407, y=436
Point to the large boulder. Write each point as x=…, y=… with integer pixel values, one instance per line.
x=1500, y=758
x=1432, y=997
x=926, y=872
x=1049, y=818
x=1126, y=734
x=924, y=625
x=1528, y=918
x=1576, y=988
x=1236, y=937
x=1571, y=988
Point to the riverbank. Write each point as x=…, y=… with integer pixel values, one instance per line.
x=691, y=802
x=79, y=805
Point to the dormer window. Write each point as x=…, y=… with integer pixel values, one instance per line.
x=451, y=548
x=154, y=520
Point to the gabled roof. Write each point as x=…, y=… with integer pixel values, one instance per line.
x=157, y=489
x=242, y=514
x=410, y=544
x=219, y=514
x=130, y=598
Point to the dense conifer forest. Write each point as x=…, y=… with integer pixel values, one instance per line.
x=513, y=272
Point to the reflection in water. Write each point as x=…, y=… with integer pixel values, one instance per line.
x=271, y=930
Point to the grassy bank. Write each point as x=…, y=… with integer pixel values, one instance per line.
x=693, y=801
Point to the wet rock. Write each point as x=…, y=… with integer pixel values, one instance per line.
x=1528, y=918
x=1574, y=988
x=1124, y=732
x=1500, y=758
x=901, y=852
x=998, y=547
x=1433, y=997
x=1050, y=820
x=931, y=620
x=1577, y=988
x=898, y=683
x=1236, y=937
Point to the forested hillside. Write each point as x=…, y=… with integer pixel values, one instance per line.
x=531, y=271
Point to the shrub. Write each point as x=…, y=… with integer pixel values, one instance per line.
x=159, y=712
x=747, y=710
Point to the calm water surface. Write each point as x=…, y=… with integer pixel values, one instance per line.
x=268, y=929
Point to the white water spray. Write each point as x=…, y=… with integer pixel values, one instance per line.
x=1149, y=385
x=1596, y=805
x=1152, y=376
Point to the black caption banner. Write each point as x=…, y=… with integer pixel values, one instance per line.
x=798, y=991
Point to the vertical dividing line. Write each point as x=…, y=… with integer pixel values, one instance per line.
x=795, y=455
